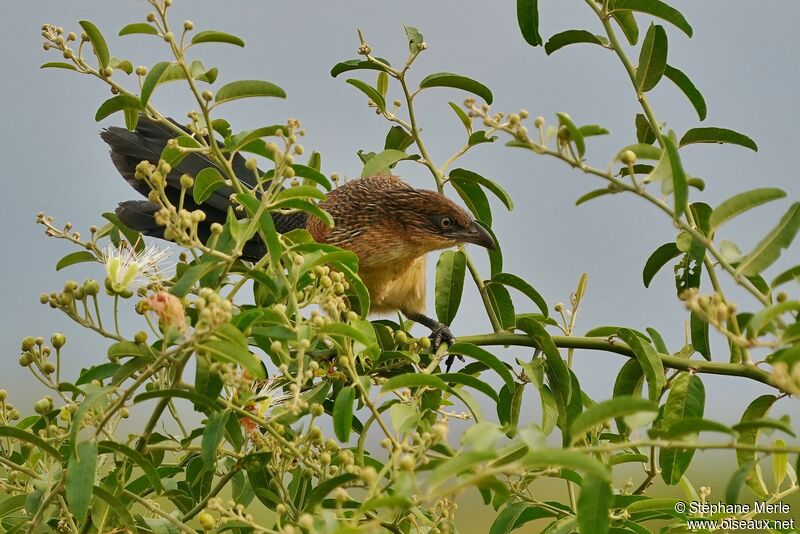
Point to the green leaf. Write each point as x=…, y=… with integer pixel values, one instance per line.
x=463, y=174
x=152, y=79
x=136, y=457
x=574, y=133
x=512, y=280
x=550, y=458
x=487, y=358
x=300, y=191
x=247, y=89
x=658, y=9
x=603, y=411
x=717, y=135
x=741, y=203
x=695, y=425
x=81, y=256
x=30, y=438
x=591, y=195
x=528, y=20
x=506, y=520
x=117, y=103
x=57, y=65
x=138, y=27
x=214, y=36
x=456, y=81
x=686, y=400
x=627, y=23
x=413, y=380
x=657, y=260
x=356, y=64
x=780, y=464
x=748, y=460
x=787, y=276
x=736, y=481
x=343, y=413
x=469, y=381
x=475, y=199
x=381, y=163
x=462, y=116
x=274, y=248
x=557, y=373
x=205, y=183
x=323, y=489
x=398, y=139
x=414, y=38
x=450, y=271
x=644, y=130
x=768, y=250
x=692, y=93
x=478, y=137
x=594, y=503
x=372, y=93
x=81, y=471
x=197, y=70
x=228, y=344
x=500, y=300
x=680, y=186
x=190, y=276
x=192, y=396
x=117, y=506
x=568, y=37
x=591, y=130
x=99, y=45
x=213, y=433
x=648, y=358
x=766, y=422
x=642, y=151
x=699, y=332
x=629, y=382
x=658, y=341
x=652, y=58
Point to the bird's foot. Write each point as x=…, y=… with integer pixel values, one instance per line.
x=441, y=334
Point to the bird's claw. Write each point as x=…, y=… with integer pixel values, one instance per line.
x=442, y=334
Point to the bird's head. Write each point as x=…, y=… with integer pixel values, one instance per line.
x=433, y=221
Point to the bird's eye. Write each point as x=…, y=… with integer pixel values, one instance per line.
x=446, y=223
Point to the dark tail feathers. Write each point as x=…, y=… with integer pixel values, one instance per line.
x=146, y=143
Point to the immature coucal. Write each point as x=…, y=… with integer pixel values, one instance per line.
x=388, y=224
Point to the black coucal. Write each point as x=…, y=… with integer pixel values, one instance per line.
x=388, y=224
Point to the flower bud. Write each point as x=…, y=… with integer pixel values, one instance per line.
x=207, y=95
x=188, y=25
x=186, y=181
x=628, y=157
x=58, y=340
x=141, y=70
x=538, y=121
x=407, y=462
x=206, y=520
x=43, y=405
x=28, y=343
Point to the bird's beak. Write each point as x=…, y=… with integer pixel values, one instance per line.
x=478, y=235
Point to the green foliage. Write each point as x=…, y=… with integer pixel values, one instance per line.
x=293, y=385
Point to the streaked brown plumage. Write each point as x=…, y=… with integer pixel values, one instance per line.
x=388, y=224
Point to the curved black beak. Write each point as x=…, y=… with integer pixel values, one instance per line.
x=478, y=235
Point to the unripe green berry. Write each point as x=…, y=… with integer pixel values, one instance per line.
x=401, y=337
x=140, y=337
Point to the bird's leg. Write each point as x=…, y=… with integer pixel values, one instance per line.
x=440, y=333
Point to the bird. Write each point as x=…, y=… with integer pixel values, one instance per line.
x=389, y=225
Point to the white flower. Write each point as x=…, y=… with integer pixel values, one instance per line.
x=128, y=270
